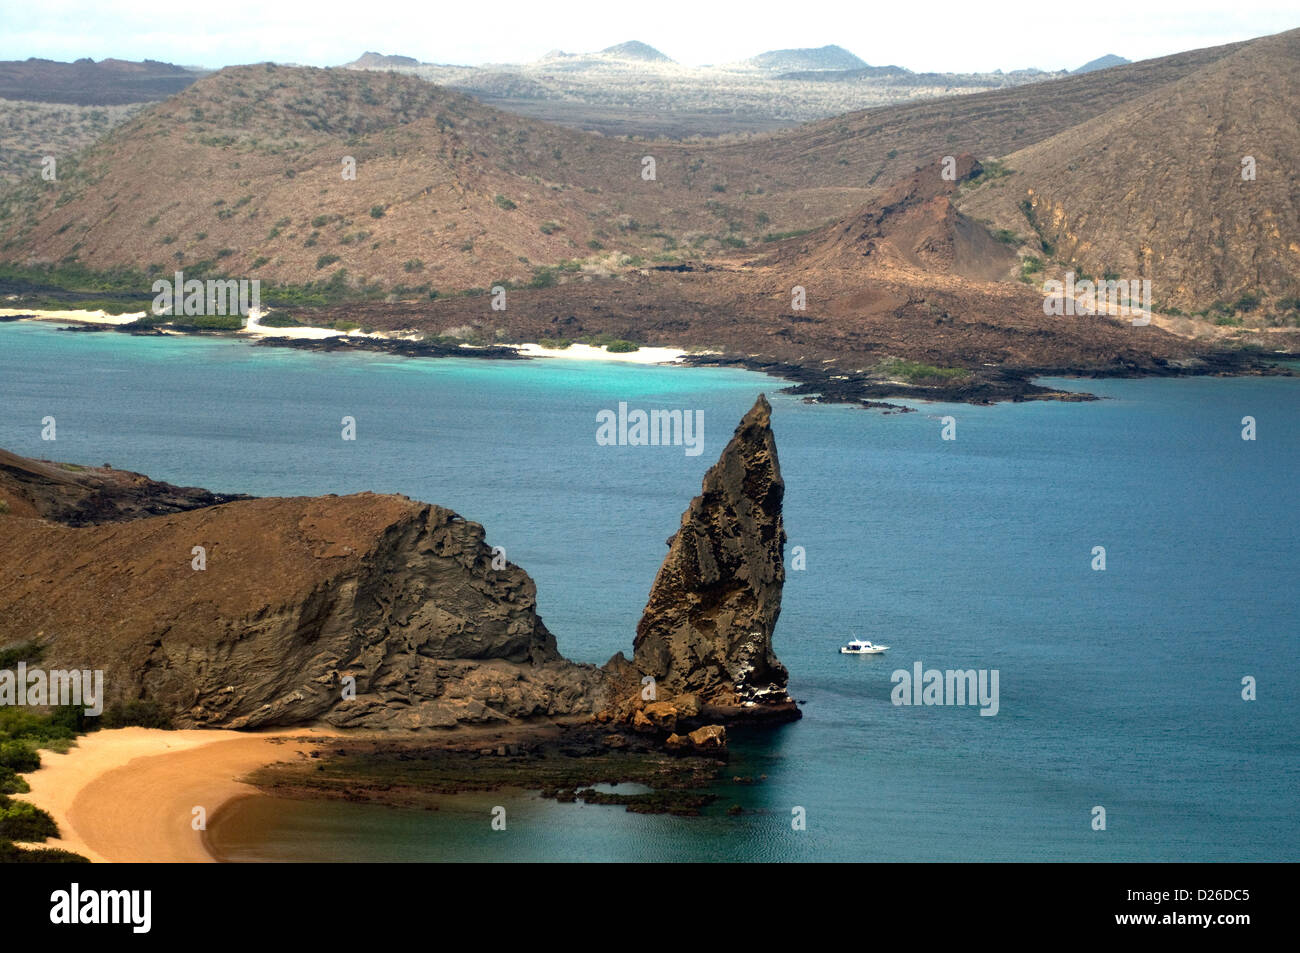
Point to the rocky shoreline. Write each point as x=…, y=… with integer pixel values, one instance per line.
x=378, y=614
x=813, y=379
x=817, y=385
x=563, y=760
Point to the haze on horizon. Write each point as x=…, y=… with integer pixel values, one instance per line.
x=944, y=36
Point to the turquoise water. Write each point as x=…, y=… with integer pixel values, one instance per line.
x=1119, y=688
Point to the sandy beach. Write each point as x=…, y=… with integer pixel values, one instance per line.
x=79, y=317
x=586, y=352
x=254, y=328
x=128, y=795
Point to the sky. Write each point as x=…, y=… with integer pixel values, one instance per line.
x=923, y=35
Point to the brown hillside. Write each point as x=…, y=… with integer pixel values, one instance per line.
x=240, y=173
x=913, y=229
x=1153, y=188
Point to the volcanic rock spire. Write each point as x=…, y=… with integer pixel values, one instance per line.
x=707, y=626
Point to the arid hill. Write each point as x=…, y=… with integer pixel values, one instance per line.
x=84, y=496
x=897, y=300
x=109, y=82
x=245, y=176
x=57, y=109
x=914, y=284
x=1154, y=188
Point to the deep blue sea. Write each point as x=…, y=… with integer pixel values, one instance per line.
x=1119, y=689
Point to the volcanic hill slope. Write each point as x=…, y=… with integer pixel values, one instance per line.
x=250, y=159
x=371, y=611
x=1153, y=188
x=904, y=278
x=245, y=179
x=109, y=82
x=84, y=496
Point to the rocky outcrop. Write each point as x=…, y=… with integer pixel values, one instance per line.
x=83, y=496
x=360, y=611
x=706, y=632
x=376, y=611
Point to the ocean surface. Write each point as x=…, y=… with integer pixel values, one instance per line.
x=1119, y=689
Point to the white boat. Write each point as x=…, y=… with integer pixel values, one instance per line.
x=862, y=647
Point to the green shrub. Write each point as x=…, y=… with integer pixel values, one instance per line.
x=1247, y=302
x=18, y=756
x=9, y=854
x=203, y=322
x=989, y=170
x=278, y=319
x=621, y=347
x=544, y=277
x=141, y=713
x=22, y=652
x=505, y=203
x=915, y=372
x=11, y=783
x=325, y=261
x=24, y=822
x=61, y=724
x=376, y=211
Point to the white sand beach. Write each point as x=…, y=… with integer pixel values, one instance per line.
x=78, y=317
x=254, y=328
x=586, y=352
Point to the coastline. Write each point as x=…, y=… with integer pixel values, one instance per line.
x=259, y=332
x=127, y=795
x=815, y=382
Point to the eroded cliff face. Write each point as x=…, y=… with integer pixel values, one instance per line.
x=83, y=496
x=297, y=595
x=707, y=627
x=375, y=611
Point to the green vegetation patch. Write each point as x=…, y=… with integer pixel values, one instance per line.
x=990, y=169
x=915, y=372
x=22, y=652
x=9, y=854
x=24, y=822
x=610, y=343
